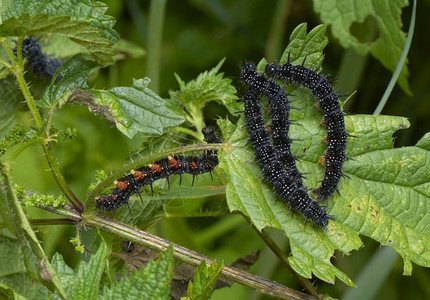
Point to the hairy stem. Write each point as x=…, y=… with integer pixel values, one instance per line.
x=183, y=254
x=62, y=184
x=14, y=218
x=17, y=70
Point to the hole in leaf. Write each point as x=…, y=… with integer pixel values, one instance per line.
x=365, y=32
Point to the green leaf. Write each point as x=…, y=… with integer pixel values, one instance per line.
x=369, y=203
x=76, y=72
x=15, y=220
x=142, y=212
x=150, y=282
x=11, y=257
x=137, y=109
x=83, y=22
x=386, y=14
x=202, y=286
x=424, y=142
x=384, y=198
x=66, y=274
x=10, y=293
x=208, y=86
x=304, y=48
x=88, y=276
x=14, y=279
x=392, y=193
x=10, y=97
x=311, y=249
x=7, y=120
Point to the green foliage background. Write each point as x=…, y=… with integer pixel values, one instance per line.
x=196, y=35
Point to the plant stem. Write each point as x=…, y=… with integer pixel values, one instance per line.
x=58, y=221
x=277, y=30
x=193, y=258
x=284, y=260
x=195, y=116
x=36, y=262
x=183, y=254
x=17, y=70
x=62, y=184
x=351, y=60
x=156, y=20
x=22, y=147
x=187, y=131
x=400, y=64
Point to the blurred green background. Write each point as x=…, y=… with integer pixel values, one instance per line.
x=196, y=35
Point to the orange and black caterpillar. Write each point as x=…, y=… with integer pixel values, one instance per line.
x=37, y=62
x=163, y=168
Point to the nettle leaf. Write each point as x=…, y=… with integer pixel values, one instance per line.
x=132, y=109
x=10, y=293
x=11, y=257
x=13, y=272
x=304, y=48
x=16, y=222
x=150, y=282
x=10, y=97
x=66, y=274
x=311, y=248
x=202, y=286
x=137, y=109
x=87, y=279
x=390, y=200
x=142, y=212
x=384, y=198
x=342, y=14
x=208, y=86
x=83, y=22
x=77, y=69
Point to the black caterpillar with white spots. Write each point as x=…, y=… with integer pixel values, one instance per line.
x=280, y=111
x=37, y=62
x=328, y=101
x=284, y=178
x=163, y=168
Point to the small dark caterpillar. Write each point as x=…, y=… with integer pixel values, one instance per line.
x=37, y=62
x=163, y=168
x=333, y=119
x=288, y=187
